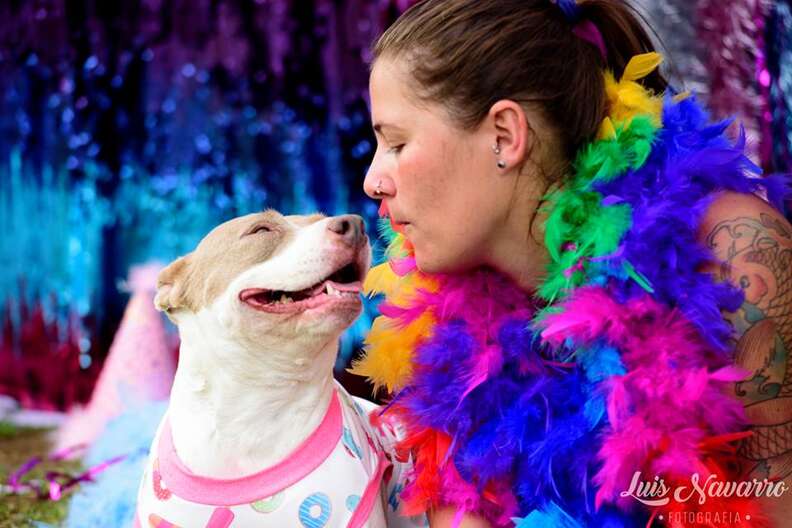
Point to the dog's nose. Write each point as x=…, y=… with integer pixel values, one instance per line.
x=350, y=227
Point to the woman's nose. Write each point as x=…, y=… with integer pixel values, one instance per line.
x=370, y=183
x=378, y=185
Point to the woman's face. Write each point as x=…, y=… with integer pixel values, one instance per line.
x=442, y=180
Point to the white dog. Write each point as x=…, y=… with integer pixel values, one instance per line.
x=258, y=433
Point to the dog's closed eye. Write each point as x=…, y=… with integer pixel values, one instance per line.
x=258, y=228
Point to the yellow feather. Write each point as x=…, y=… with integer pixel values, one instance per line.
x=388, y=361
x=380, y=279
x=611, y=86
x=388, y=347
x=641, y=65
x=425, y=282
x=396, y=248
x=628, y=98
x=607, y=130
x=635, y=100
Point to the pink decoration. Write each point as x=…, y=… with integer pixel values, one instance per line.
x=402, y=266
x=221, y=518
x=589, y=32
x=40, y=359
x=139, y=367
x=55, y=482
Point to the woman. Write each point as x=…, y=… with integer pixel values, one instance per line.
x=565, y=231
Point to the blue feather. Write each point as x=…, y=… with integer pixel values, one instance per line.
x=109, y=501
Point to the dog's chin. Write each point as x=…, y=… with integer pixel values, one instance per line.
x=321, y=318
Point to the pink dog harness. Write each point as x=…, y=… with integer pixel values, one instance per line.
x=333, y=479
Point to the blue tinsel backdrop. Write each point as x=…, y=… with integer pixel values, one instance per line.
x=130, y=128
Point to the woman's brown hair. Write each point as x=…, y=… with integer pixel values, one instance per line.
x=468, y=54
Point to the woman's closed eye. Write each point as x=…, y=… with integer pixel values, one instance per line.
x=396, y=149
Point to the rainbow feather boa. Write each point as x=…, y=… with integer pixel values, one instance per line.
x=536, y=410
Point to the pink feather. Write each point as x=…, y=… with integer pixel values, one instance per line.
x=659, y=411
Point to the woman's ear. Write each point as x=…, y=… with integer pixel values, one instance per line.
x=514, y=136
x=171, y=286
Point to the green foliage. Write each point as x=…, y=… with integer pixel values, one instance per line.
x=17, y=446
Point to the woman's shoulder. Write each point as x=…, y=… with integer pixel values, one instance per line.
x=752, y=243
x=733, y=211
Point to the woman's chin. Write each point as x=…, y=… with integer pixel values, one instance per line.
x=423, y=264
x=430, y=263
x=447, y=265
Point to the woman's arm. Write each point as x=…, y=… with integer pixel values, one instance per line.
x=444, y=518
x=753, y=242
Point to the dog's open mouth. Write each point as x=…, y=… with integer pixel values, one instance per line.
x=343, y=284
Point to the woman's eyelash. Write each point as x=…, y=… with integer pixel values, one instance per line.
x=396, y=149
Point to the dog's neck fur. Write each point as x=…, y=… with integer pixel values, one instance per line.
x=238, y=409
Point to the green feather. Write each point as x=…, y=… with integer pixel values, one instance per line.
x=637, y=276
x=576, y=214
x=604, y=230
x=385, y=230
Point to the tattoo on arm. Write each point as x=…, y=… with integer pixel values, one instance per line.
x=756, y=256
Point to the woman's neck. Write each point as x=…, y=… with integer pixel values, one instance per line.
x=519, y=252
x=526, y=268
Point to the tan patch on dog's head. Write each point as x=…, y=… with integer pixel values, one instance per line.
x=305, y=220
x=195, y=280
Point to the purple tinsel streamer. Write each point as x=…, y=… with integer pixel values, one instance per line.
x=734, y=45
x=762, y=75
x=56, y=483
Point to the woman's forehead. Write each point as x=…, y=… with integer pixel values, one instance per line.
x=386, y=83
x=394, y=106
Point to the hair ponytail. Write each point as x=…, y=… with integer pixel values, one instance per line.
x=624, y=36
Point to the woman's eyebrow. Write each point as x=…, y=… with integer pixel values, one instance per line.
x=379, y=126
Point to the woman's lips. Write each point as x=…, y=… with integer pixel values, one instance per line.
x=399, y=226
x=383, y=212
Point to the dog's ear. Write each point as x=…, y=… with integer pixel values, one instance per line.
x=171, y=286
